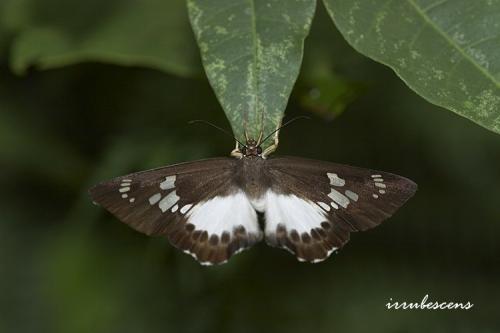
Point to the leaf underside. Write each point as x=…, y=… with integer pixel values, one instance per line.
x=252, y=52
x=446, y=50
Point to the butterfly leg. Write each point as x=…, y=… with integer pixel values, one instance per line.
x=271, y=148
x=236, y=152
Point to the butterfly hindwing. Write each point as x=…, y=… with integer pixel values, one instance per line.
x=208, y=208
x=196, y=205
x=312, y=206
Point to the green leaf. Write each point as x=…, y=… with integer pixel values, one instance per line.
x=149, y=33
x=447, y=51
x=252, y=51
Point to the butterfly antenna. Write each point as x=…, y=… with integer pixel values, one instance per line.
x=200, y=121
x=284, y=125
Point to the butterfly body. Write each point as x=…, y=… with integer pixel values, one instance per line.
x=252, y=177
x=208, y=208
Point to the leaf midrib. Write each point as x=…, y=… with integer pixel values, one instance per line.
x=452, y=43
x=254, y=59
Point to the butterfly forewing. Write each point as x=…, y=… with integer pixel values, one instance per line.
x=208, y=208
x=195, y=205
x=312, y=206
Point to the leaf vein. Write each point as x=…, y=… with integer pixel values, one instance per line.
x=482, y=40
x=450, y=41
x=434, y=5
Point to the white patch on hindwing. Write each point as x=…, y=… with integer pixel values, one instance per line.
x=259, y=204
x=224, y=213
x=291, y=211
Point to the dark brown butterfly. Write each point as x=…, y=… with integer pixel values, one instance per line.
x=208, y=208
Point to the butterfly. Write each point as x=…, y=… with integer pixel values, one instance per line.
x=210, y=208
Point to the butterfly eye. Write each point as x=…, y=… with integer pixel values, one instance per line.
x=259, y=150
x=244, y=150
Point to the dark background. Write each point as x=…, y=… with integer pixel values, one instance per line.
x=67, y=266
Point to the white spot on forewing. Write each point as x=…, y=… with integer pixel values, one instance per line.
x=380, y=185
x=131, y=200
x=168, y=201
x=124, y=196
x=324, y=206
x=185, y=208
x=335, y=180
x=125, y=182
x=381, y=191
x=334, y=205
x=352, y=195
x=292, y=211
x=154, y=198
x=339, y=198
x=168, y=183
x=380, y=180
x=375, y=196
x=174, y=209
x=124, y=189
x=221, y=214
x=376, y=176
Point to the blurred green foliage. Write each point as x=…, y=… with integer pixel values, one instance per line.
x=67, y=266
x=55, y=33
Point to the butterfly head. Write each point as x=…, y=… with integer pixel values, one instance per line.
x=251, y=149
